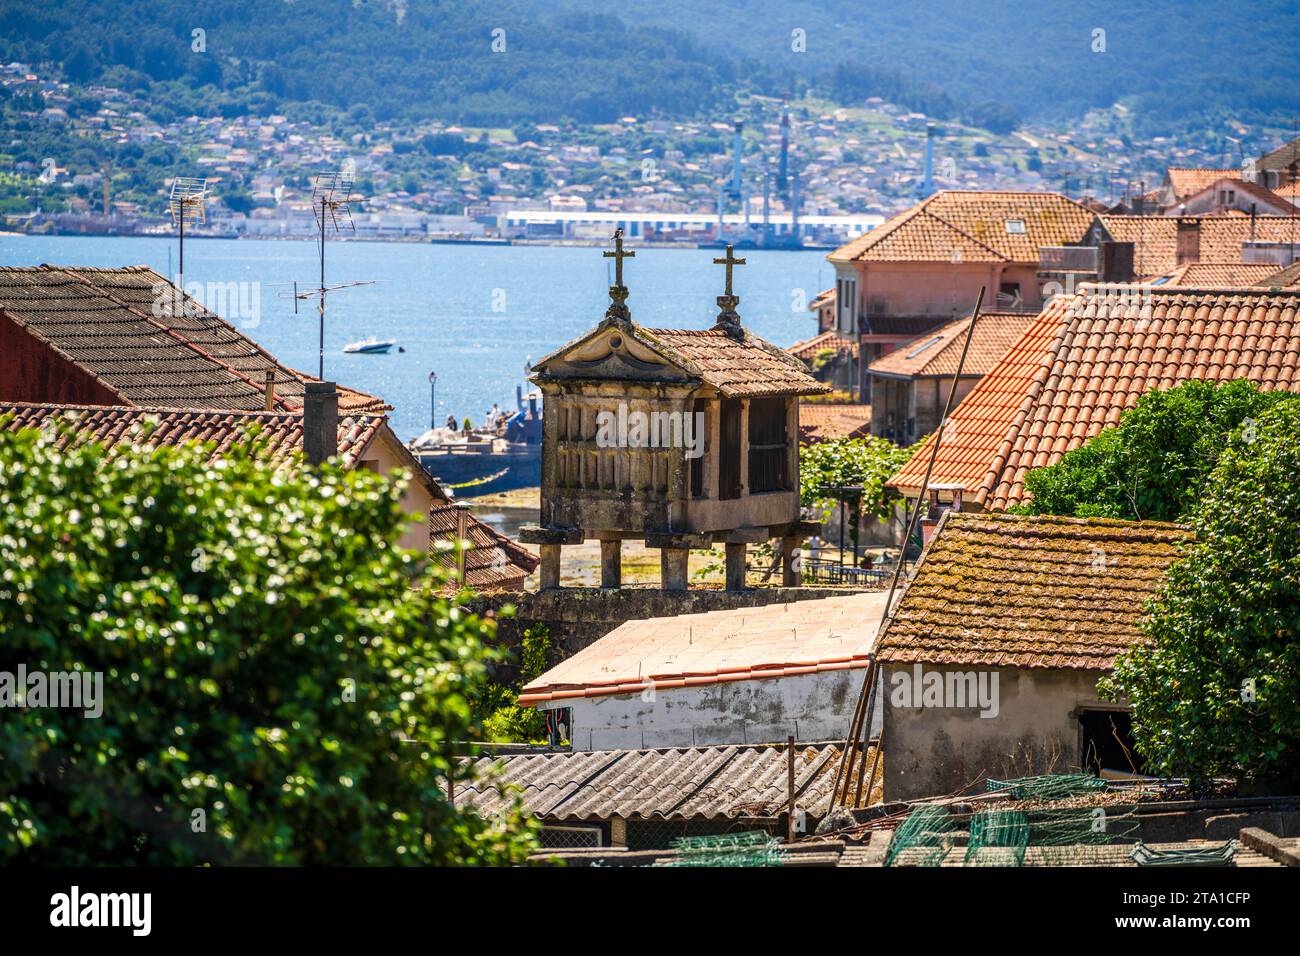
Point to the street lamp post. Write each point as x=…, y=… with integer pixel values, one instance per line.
x=433, y=399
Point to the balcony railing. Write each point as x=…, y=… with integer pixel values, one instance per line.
x=1081, y=259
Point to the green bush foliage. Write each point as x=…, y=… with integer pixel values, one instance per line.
x=1217, y=692
x=282, y=684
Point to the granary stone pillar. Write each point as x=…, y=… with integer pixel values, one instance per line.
x=673, y=568
x=790, y=576
x=736, y=566
x=550, y=570
x=611, y=563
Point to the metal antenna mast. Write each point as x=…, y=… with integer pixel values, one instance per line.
x=188, y=201
x=330, y=195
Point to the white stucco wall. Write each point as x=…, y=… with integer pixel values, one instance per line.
x=815, y=706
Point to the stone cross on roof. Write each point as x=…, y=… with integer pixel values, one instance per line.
x=618, y=309
x=728, y=318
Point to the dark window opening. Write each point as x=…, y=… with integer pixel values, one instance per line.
x=729, y=453
x=768, y=447
x=1008, y=292
x=699, y=419
x=1108, y=742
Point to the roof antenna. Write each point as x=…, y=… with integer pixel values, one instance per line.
x=188, y=200
x=330, y=195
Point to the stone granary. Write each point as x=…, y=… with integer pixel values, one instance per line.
x=682, y=438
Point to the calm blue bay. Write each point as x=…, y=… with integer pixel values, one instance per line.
x=474, y=314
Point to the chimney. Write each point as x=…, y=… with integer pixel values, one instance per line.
x=1115, y=262
x=270, y=389
x=1189, y=240
x=937, y=509
x=320, y=422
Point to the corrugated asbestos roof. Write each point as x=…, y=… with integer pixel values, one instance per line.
x=997, y=590
x=1088, y=358
x=107, y=322
x=712, y=783
x=689, y=650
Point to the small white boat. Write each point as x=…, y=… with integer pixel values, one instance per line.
x=370, y=346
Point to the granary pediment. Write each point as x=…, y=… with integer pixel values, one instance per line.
x=612, y=351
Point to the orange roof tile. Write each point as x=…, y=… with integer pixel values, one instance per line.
x=1090, y=356
x=1155, y=238
x=106, y=322
x=972, y=227
x=809, y=349
x=822, y=421
x=751, y=643
x=995, y=590
x=938, y=353
x=1217, y=275
x=1188, y=180
x=121, y=427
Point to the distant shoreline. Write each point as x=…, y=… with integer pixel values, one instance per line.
x=422, y=240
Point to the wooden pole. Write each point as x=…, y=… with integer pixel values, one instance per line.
x=789, y=811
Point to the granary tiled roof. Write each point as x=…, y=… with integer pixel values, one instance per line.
x=779, y=640
x=1217, y=275
x=104, y=321
x=996, y=590
x=738, y=368
x=120, y=427
x=1088, y=358
x=809, y=349
x=972, y=227
x=1189, y=180
x=822, y=421
x=493, y=562
x=1155, y=238
x=937, y=353
x=712, y=783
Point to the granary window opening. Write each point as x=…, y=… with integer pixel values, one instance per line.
x=768, y=446
x=729, y=453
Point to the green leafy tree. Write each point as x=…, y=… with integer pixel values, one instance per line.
x=281, y=683
x=1217, y=691
x=1152, y=465
x=861, y=462
x=503, y=719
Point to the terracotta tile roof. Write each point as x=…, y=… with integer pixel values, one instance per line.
x=1089, y=357
x=1217, y=275
x=114, y=427
x=973, y=224
x=809, y=349
x=1282, y=157
x=822, y=421
x=825, y=297
x=1189, y=180
x=737, y=369
x=778, y=640
x=103, y=321
x=996, y=590
x=938, y=352
x=1155, y=238
x=711, y=783
x=1288, y=278
x=492, y=563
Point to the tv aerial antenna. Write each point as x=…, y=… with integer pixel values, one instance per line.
x=331, y=196
x=188, y=202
